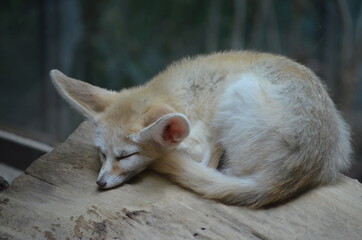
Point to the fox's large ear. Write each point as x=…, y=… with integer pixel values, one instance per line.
x=169, y=130
x=86, y=98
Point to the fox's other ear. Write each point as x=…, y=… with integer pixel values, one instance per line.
x=86, y=98
x=169, y=130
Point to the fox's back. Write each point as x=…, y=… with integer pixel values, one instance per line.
x=196, y=84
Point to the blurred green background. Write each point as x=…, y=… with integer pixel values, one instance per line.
x=117, y=44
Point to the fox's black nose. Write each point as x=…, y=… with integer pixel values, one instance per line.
x=101, y=183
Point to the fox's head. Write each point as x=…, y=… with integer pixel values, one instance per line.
x=133, y=128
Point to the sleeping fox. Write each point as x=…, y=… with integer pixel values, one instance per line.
x=243, y=128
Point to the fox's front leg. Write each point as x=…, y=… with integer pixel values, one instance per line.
x=172, y=164
x=175, y=161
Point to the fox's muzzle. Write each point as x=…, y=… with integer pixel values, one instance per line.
x=101, y=182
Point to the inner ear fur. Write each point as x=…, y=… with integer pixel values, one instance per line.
x=86, y=98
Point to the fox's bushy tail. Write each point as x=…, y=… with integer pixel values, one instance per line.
x=251, y=191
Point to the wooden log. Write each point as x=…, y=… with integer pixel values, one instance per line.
x=57, y=198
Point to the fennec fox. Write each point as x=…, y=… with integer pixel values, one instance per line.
x=243, y=128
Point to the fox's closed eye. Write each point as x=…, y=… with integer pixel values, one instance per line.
x=126, y=155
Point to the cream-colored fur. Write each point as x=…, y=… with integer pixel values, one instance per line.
x=269, y=120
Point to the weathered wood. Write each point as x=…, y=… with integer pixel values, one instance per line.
x=57, y=198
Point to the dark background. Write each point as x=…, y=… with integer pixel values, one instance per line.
x=116, y=44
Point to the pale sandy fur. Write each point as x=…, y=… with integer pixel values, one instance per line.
x=270, y=117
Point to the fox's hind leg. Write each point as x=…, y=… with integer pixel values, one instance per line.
x=248, y=119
